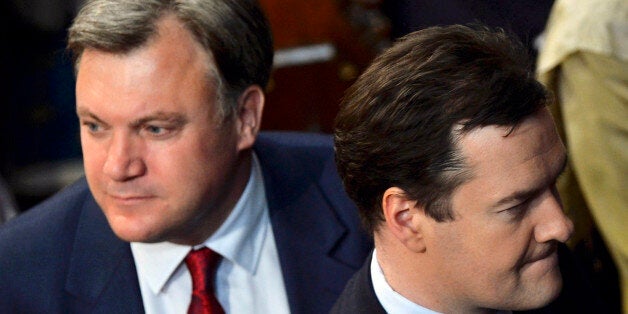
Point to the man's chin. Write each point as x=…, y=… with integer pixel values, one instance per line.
x=544, y=286
x=551, y=288
x=130, y=236
x=540, y=294
x=135, y=232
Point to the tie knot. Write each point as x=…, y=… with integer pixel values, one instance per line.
x=202, y=264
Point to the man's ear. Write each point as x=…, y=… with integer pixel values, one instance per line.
x=404, y=219
x=249, y=116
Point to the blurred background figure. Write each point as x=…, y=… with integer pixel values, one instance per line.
x=584, y=60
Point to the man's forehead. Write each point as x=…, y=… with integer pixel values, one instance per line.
x=503, y=161
x=532, y=136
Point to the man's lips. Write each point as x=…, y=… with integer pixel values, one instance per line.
x=544, y=255
x=121, y=192
x=547, y=253
x=130, y=197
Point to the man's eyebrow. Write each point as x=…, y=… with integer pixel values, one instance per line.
x=517, y=196
x=170, y=117
x=85, y=113
x=522, y=195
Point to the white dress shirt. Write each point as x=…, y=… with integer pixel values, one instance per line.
x=249, y=278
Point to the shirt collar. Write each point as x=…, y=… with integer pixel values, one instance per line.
x=391, y=300
x=241, y=236
x=239, y=239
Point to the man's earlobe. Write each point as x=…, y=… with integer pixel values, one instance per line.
x=249, y=116
x=404, y=219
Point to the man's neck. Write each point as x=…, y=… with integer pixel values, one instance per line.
x=216, y=212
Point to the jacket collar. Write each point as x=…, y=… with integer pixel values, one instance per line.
x=303, y=195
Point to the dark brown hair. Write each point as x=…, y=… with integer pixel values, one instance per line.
x=398, y=124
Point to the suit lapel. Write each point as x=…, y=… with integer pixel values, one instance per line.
x=307, y=231
x=102, y=275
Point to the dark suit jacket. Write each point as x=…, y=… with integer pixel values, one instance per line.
x=62, y=256
x=576, y=296
x=359, y=294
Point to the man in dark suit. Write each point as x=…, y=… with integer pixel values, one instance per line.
x=179, y=189
x=447, y=147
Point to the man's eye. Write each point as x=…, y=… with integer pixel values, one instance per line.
x=515, y=209
x=92, y=127
x=159, y=132
x=155, y=129
x=519, y=210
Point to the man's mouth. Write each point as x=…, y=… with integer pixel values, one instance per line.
x=545, y=254
x=130, y=197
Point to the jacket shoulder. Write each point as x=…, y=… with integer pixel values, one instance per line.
x=296, y=144
x=292, y=162
x=44, y=219
x=35, y=250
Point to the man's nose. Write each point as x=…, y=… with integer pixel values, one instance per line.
x=124, y=161
x=552, y=222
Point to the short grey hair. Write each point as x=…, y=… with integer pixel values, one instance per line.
x=234, y=32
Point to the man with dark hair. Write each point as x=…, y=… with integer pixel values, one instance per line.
x=183, y=207
x=446, y=146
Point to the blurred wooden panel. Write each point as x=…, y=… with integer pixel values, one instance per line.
x=324, y=45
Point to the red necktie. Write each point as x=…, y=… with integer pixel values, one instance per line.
x=202, y=264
